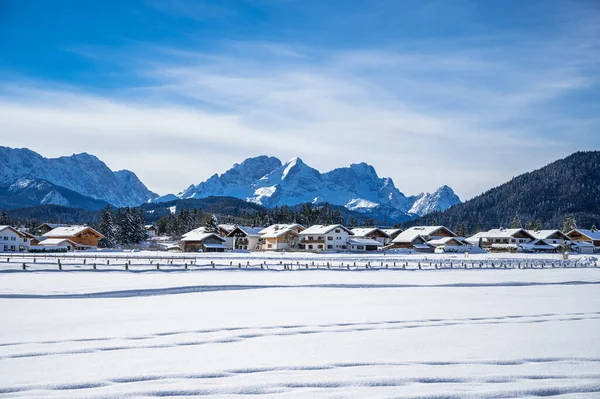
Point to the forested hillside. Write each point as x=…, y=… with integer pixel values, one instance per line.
x=547, y=196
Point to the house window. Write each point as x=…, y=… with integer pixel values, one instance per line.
x=330, y=238
x=13, y=238
x=329, y=246
x=5, y=238
x=360, y=247
x=343, y=247
x=269, y=245
x=25, y=239
x=321, y=246
x=337, y=230
x=310, y=247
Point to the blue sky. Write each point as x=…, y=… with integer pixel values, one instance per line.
x=464, y=93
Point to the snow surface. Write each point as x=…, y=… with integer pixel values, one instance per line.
x=300, y=333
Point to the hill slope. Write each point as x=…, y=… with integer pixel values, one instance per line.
x=569, y=186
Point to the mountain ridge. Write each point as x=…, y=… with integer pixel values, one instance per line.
x=267, y=181
x=81, y=173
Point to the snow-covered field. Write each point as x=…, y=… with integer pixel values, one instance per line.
x=481, y=333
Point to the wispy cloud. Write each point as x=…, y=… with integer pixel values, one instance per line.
x=468, y=116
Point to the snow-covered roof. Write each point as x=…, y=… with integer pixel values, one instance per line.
x=505, y=233
x=69, y=231
x=277, y=230
x=228, y=228
x=56, y=242
x=582, y=244
x=199, y=230
x=543, y=234
x=319, y=229
x=150, y=226
x=200, y=236
x=474, y=239
x=364, y=241
x=391, y=232
x=276, y=227
x=539, y=243
x=220, y=246
x=427, y=230
x=444, y=241
x=53, y=225
x=594, y=235
x=408, y=236
x=249, y=231
x=365, y=231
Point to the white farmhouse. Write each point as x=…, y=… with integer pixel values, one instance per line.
x=13, y=240
x=320, y=238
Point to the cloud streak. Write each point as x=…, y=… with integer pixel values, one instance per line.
x=470, y=118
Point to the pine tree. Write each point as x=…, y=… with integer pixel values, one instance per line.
x=516, y=223
x=593, y=229
x=120, y=235
x=4, y=219
x=537, y=225
x=107, y=229
x=212, y=224
x=569, y=224
x=352, y=221
x=139, y=233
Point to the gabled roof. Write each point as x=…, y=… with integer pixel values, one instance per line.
x=474, y=239
x=201, y=236
x=199, y=230
x=365, y=231
x=227, y=227
x=319, y=229
x=248, y=231
x=429, y=230
x=70, y=231
x=20, y=233
x=53, y=225
x=276, y=227
x=506, y=233
x=543, y=234
x=408, y=236
x=364, y=241
x=57, y=242
x=593, y=235
x=277, y=230
x=445, y=241
x=392, y=232
x=150, y=226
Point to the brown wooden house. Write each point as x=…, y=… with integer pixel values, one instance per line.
x=84, y=236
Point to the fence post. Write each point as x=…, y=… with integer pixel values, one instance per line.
x=24, y=267
x=94, y=266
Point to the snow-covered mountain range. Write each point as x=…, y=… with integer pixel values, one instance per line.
x=67, y=180
x=266, y=181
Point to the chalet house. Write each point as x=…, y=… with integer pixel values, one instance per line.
x=373, y=233
x=447, y=244
x=325, y=238
x=196, y=241
x=46, y=227
x=431, y=232
x=362, y=244
x=411, y=239
x=13, y=240
x=243, y=238
x=581, y=236
x=151, y=231
x=501, y=239
x=541, y=245
x=551, y=237
x=83, y=236
x=280, y=236
x=367, y=239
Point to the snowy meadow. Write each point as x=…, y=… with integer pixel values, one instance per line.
x=254, y=325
